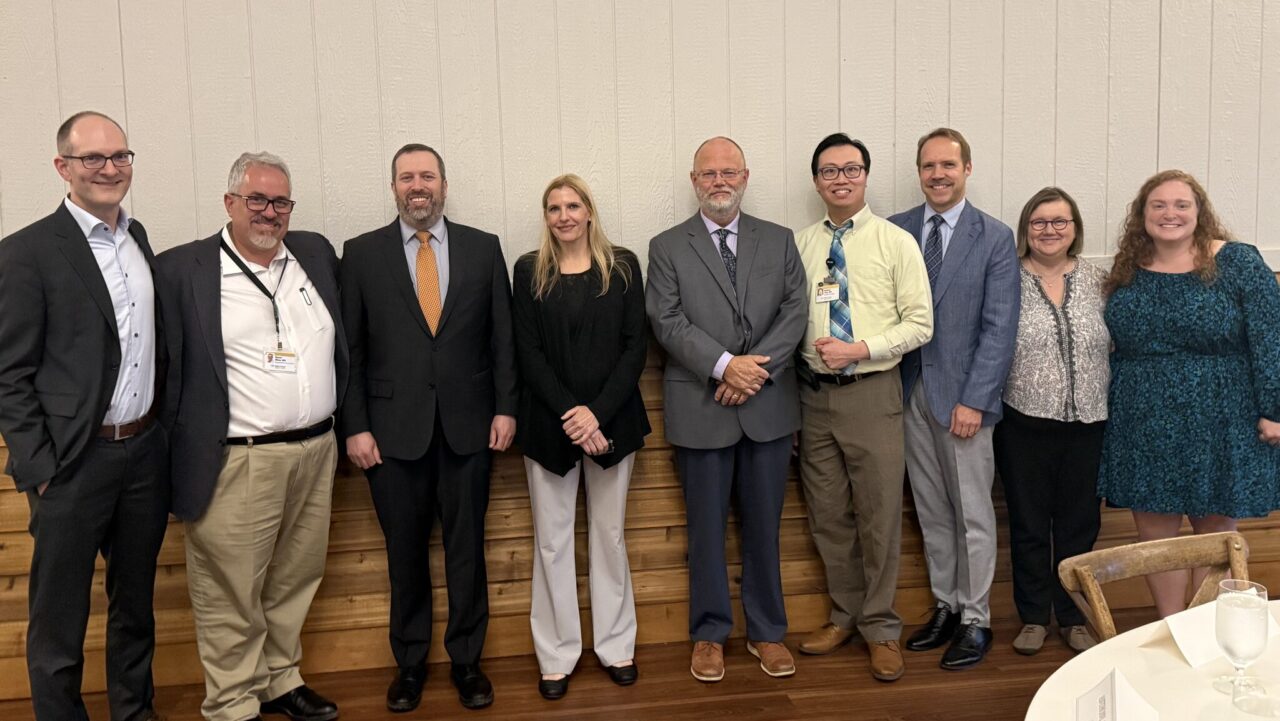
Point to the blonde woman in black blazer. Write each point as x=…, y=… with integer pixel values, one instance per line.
x=578, y=305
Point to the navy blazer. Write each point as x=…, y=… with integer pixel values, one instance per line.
x=975, y=317
x=198, y=409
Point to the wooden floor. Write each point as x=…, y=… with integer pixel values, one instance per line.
x=825, y=687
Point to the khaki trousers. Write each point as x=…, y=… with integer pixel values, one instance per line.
x=852, y=469
x=254, y=562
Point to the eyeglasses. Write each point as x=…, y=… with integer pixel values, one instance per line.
x=259, y=203
x=831, y=172
x=709, y=176
x=1057, y=223
x=95, y=161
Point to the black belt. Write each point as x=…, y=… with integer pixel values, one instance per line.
x=301, y=434
x=842, y=380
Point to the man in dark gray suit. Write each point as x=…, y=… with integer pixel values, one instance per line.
x=952, y=387
x=726, y=299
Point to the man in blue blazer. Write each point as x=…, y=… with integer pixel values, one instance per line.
x=952, y=387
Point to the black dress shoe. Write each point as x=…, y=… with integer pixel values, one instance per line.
x=474, y=689
x=938, y=631
x=302, y=704
x=623, y=675
x=552, y=690
x=405, y=692
x=969, y=646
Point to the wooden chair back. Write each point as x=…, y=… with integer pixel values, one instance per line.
x=1225, y=554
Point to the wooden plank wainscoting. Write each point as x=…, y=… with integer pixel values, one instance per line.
x=347, y=626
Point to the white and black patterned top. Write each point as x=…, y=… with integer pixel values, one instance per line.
x=1060, y=369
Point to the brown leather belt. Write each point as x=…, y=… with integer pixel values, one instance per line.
x=126, y=430
x=301, y=434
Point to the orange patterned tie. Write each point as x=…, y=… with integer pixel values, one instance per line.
x=428, y=281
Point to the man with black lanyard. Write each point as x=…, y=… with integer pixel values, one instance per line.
x=259, y=360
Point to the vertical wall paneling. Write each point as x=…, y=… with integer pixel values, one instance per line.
x=346, y=59
x=867, y=94
x=155, y=56
x=983, y=38
x=288, y=111
x=29, y=112
x=701, y=75
x=589, y=98
x=91, y=75
x=1030, y=77
x=646, y=115
x=1268, y=223
x=758, y=113
x=812, y=43
x=1185, y=65
x=1081, y=125
x=1132, y=103
x=531, y=135
x=923, y=54
x=473, y=142
x=408, y=82
x=221, y=101
x=1233, y=155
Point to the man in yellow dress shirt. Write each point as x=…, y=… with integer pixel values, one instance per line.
x=869, y=304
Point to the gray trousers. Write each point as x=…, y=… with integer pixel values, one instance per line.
x=951, y=482
x=557, y=628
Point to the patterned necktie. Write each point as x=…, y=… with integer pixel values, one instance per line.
x=730, y=260
x=933, y=251
x=428, y=281
x=841, y=326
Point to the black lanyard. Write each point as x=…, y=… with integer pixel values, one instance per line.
x=271, y=295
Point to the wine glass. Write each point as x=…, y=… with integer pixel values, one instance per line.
x=1241, y=629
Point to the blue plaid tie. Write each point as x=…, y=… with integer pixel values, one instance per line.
x=933, y=251
x=730, y=260
x=841, y=326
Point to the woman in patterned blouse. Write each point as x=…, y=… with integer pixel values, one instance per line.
x=1049, y=442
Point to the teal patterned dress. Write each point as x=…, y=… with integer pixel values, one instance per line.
x=1192, y=370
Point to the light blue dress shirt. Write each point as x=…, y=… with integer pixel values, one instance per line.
x=439, y=243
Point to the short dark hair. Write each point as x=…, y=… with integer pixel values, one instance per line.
x=832, y=141
x=64, y=130
x=953, y=135
x=1049, y=195
x=416, y=148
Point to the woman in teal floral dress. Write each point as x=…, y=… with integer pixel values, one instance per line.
x=1195, y=374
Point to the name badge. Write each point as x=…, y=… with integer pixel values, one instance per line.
x=828, y=290
x=280, y=361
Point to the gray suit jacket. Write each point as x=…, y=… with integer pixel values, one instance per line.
x=697, y=315
x=975, y=317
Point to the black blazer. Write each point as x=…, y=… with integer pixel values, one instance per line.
x=599, y=366
x=59, y=346
x=401, y=375
x=197, y=409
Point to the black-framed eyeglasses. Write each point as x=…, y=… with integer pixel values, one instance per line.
x=1057, y=223
x=94, y=161
x=259, y=203
x=851, y=171
x=709, y=176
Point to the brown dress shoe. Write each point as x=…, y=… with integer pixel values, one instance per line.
x=708, y=661
x=775, y=659
x=886, y=660
x=825, y=640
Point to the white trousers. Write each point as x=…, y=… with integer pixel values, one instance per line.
x=557, y=628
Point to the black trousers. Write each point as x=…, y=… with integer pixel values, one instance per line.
x=1050, y=474
x=115, y=501
x=409, y=495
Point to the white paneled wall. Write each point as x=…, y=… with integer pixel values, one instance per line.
x=1092, y=95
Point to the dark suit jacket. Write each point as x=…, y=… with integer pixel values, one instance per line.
x=198, y=408
x=975, y=317
x=59, y=346
x=597, y=365
x=401, y=375
x=697, y=314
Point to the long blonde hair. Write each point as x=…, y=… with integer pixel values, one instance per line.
x=546, y=268
x=1136, y=247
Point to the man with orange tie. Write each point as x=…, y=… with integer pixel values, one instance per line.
x=432, y=394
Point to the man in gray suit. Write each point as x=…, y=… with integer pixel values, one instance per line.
x=726, y=299
x=952, y=387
